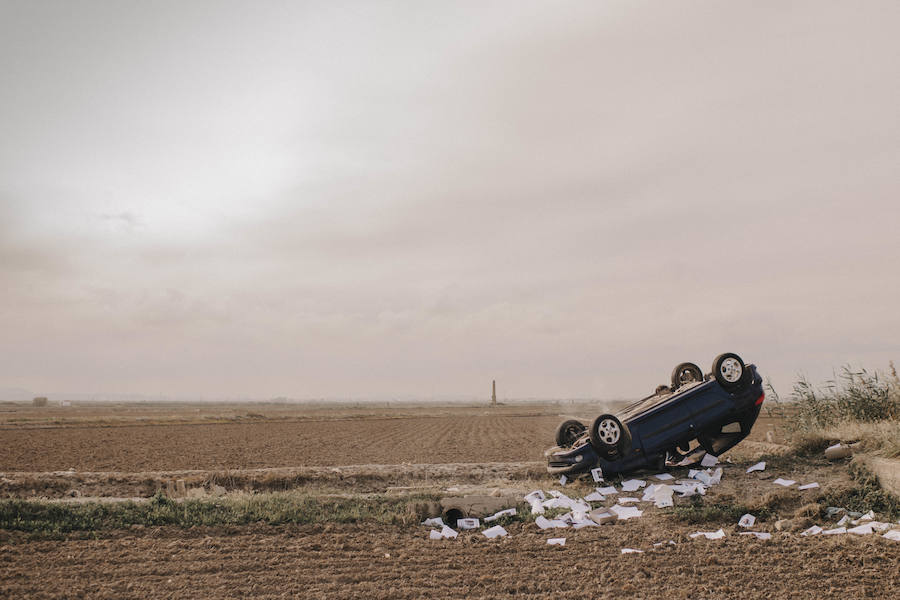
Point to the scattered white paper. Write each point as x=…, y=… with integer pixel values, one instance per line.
x=893, y=534
x=703, y=477
x=760, y=535
x=814, y=530
x=434, y=534
x=468, y=523
x=633, y=485
x=879, y=526
x=662, y=496
x=447, y=532
x=716, y=477
x=579, y=523
x=844, y=520
x=628, y=500
x=625, y=512
x=595, y=497
x=663, y=477
x=535, y=495
x=608, y=490
x=835, y=531
x=556, y=541
x=861, y=529
x=809, y=486
x=869, y=516
x=832, y=447
x=747, y=520
x=509, y=512
x=544, y=523
x=710, y=535
x=537, y=508
x=495, y=531
x=435, y=522
x=597, y=474
x=631, y=551
x=784, y=482
x=562, y=480
x=760, y=466
x=658, y=544
x=709, y=460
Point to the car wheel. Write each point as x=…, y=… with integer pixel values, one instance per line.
x=685, y=373
x=730, y=371
x=609, y=436
x=568, y=432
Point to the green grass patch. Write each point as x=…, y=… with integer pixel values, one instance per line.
x=699, y=511
x=866, y=494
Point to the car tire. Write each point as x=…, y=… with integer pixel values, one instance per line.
x=685, y=373
x=610, y=437
x=568, y=432
x=730, y=371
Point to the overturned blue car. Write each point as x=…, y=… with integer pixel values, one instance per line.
x=711, y=412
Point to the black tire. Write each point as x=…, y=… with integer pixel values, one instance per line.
x=685, y=373
x=610, y=437
x=730, y=371
x=569, y=431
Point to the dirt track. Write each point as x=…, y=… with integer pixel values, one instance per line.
x=350, y=562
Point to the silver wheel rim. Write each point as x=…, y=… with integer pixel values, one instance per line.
x=731, y=370
x=608, y=431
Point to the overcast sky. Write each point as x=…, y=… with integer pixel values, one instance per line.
x=409, y=199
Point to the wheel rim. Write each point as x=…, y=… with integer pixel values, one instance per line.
x=731, y=370
x=608, y=431
x=686, y=376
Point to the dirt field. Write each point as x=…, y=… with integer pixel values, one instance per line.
x=383, y=561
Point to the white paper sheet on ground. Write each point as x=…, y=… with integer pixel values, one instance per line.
x=608, y=490
x=509, y=512
x=633, y=485
x=784, y=482
x=893, y=534
x=537, y=508
x=809, y=486
x=648, y=493
x=760, y=466
x=595, y=497
x=563, y=479
x=879, y=526
x=760, y=535
x=814, y=530
x=716, y=477
x=833, y=446
x=844, y=520
x=448, y=532
x=710, y=535
x=835, y=531
x=659, y=544
x=862, y=529
x=469, y=523
x=703, y=477
x=556, y=542
x=495, y=531
x=434, y=534
x=686, y=490
x=747, y=520
x=869, y=516
x=584, y=523
x=625, y=512
x=662, y=496
x=663, y=476
x=535, y=495
x=628, y=500
x=709, y=460
x=435, y=522
x=555, y=493
x=544, y=523
x=631, y=551
x=597, y=474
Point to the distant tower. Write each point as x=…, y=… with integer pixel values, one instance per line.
x=493, y=392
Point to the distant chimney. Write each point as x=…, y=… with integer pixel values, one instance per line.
x=493, y=392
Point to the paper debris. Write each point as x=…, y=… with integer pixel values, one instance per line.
x=747, y=520
x=602, y=516
x=509, y=512
x=628, y=500
x=663, y=477
x=537, y=508
x=709, y=460
x=869, y=516
x=716, y=477
x=835, y=531
x=809, y=486
x=556, y=542
x=760, y=535
x=597, y=474
x=662, y=496
x=625, y=512
x=844, y=520
x=631, y=551
x=435, y=522
x=595, y=497
x=703, y=477
x=608, y=490
x=710, y=535
x=468, y=523
x=633, y=485
x=562, y=480
x=692, y=488
x=495, y=531
x=784, y=482
x=893, y=534
x=879, y=526
x=658, y=544
x=861, y=529
x=545, y=523
x=579, y=523
x=760, y=466
x=434, y=534
x=445, y=532
x=814, y=530
x=535, y=495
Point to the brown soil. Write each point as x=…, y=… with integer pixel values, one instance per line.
x=371, y=561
